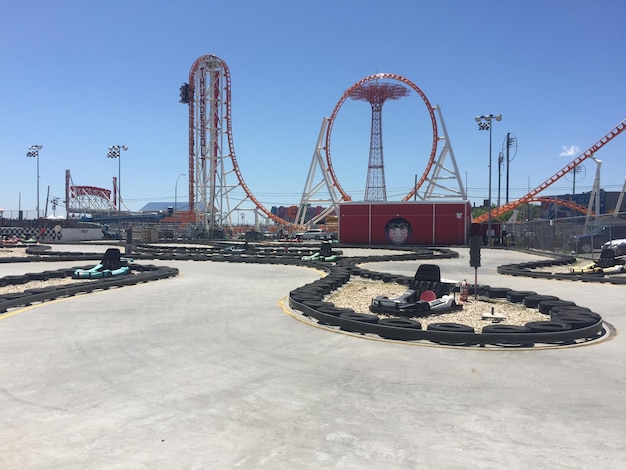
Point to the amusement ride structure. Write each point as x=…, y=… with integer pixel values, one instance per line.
x=376, y=94
x=436, y=174
x=214, y=173
x=88, y=199
x=216, y=182
x=532, y=195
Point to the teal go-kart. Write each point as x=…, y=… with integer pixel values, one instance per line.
x=112, y=264
x=326, y=253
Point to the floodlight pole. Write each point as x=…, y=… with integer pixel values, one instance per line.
x=115, y=152
x=33, y=151
x=485, y=124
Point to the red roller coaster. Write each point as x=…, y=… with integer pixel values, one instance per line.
x=208, y=95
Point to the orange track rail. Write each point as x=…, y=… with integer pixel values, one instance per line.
x=558, y=175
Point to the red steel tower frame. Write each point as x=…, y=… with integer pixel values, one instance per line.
x=376, y=94
x=347, y=94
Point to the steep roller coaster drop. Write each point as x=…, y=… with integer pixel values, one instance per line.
x=208, y=94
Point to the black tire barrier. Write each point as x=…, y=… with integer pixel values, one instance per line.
x=504, y=328
x=306, y=289
x=331, y=315
x=532, y=301
x=30, y=296
x=576, y=320
x=400, y=323
x=497, y=292
x=450, y=327
x=301, y=296
x=525, y=269
x=351, y=321
x=317, y=303
x=397, y=328
x=451, y=336
x=587, y=313
x=335, y=311
x=546, y=306
x=38, y=276
x=548, y=326
x=480, y=289
x=348, y=268
x=504, y=335
x=55, y=274
x=323, y=288
x=15, y=279
x=570, y=309
x=517, y=296
x=364, y=317
x=455, y=328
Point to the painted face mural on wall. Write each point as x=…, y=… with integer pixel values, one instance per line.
x=398, y=231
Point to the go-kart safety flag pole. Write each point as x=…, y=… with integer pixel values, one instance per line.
x=475, y=260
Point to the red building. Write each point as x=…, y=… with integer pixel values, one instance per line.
x=405, y=223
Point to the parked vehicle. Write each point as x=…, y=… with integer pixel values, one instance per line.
x=587, y=242
x=314, y=234
x=619, y=245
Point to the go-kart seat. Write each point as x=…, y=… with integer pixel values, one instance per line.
x=326, y=249
x=607, y=259
x=111, y=259
x=428, y=277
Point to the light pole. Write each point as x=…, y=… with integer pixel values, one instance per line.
x=115, y=151
x=484, y=124
x=510, y=142
x=176, y=192
x=500, y=161
x=33, y=151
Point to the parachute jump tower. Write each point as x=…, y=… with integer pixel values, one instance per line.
x=376, y=94
x=322, y=185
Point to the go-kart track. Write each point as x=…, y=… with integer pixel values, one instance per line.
x=212, y=369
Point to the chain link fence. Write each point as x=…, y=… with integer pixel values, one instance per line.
x=581, y=235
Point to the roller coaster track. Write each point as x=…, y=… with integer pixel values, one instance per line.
x=561, y=202
x=498, y=211
x=219, y=69
x=348, y=93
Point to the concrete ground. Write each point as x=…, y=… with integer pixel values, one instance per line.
x=211, y=370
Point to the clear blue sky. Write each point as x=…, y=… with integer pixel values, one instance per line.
x=78, y=76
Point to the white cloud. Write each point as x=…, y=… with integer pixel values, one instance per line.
x=571, y=151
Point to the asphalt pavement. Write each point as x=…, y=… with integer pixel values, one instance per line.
x=211, y=370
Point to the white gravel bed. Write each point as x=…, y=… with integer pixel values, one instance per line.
x=358, y=293
x=12, y=252
x=11, y=289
